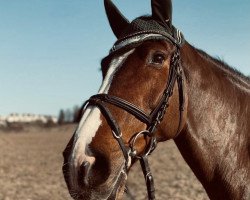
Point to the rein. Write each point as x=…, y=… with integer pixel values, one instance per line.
x=152, y=120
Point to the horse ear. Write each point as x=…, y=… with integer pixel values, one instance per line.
x=162, y=11
x=116, y=20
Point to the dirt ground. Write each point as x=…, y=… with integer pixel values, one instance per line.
x=30, y=168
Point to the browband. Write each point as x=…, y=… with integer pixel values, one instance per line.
x=136, y=39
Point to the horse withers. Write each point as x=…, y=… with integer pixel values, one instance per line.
x=156, y=87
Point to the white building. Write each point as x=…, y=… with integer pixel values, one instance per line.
x=26, y=118
x=3, y=121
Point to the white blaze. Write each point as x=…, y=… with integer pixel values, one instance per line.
x=91, y=119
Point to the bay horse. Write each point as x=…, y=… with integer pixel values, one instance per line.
x=156, y=87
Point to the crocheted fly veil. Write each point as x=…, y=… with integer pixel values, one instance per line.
x=156, y=27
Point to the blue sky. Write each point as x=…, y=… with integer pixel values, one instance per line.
x=50, y=50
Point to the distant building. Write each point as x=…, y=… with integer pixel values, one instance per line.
x=3, y=121
x=27, y=118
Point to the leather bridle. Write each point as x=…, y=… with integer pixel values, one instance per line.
x=152, y=120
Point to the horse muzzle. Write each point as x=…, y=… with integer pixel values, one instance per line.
x=93, y=178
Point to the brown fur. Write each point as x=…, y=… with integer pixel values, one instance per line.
x=215, y=142
x=215, y=130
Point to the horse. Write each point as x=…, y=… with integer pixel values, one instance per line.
x=156, y=87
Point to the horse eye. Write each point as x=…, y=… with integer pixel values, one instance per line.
x=158, y=58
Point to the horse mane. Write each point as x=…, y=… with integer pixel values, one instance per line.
x=222, y=64
x=218, y=61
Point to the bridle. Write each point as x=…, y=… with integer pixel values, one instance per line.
x=152, y=120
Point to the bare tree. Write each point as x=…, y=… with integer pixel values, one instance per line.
x=61, y=117
x=76, y=113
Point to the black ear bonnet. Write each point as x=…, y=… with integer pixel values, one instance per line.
x=156, y=27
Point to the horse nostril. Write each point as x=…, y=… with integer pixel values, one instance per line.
x=83, y=173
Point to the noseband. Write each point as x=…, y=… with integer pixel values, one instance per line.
x=152, y=120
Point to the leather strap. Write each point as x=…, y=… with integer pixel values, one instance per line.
x=148, y=177
x=152, y=120
x=125, y=105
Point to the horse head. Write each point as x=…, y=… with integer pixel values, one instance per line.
x=141, y=101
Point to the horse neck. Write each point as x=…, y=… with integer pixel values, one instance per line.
x=215, y=142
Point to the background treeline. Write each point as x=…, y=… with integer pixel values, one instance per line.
x=70, y=115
